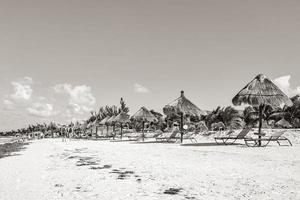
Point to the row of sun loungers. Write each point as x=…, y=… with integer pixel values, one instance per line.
x=253, y=142
x=227, y=139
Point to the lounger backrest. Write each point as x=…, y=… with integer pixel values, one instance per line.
x=174, y=133
x=244, y=132
x=277, y=134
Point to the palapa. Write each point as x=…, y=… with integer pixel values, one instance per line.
x=104, y=120
x=122, y=118
x=260, y=92
x=183, y=106
x=111, y=121
x=145, y=115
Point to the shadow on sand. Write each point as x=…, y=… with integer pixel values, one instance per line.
x=207, y=144
x=154, y=142
x=123, y=140
x=9, y=148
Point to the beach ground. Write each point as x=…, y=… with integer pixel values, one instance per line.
x=85, y=169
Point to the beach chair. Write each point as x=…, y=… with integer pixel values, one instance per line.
x=275, y=137
x=171, y=138
x=231, y=139
x=18, y=138
x=190, y=136
x=142, y=137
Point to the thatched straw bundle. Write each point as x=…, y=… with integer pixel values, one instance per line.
x=184, y=106
x=261, y=91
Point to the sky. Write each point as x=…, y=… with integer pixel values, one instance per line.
x=61, y=59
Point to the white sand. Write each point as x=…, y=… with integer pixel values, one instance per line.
x=47, y=170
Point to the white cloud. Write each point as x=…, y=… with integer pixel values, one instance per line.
x=138, y=88
x=8, y=104
x=42, y=110
x=283, y=83
x=27, y=80
x=22, y=89
x=81, y=98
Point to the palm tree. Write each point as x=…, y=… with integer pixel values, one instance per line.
x=250, y=115
x=123, y=107
x=229, y=116
x=289, y=113
x=212, y=117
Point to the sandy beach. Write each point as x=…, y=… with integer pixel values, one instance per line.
x=85, y=169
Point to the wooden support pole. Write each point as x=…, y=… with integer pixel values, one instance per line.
x=181, y=127
x=121, y=131
x=261, y=109
x=143, y=134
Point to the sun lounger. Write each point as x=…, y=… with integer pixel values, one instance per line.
x=19, y=138
x=104, y=137
x=171, y=138
x=231, y=139
x=132, y=136
x=144, y=136
x=190, y=136
x=275, y=137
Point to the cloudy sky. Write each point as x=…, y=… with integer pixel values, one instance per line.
x=61, y=59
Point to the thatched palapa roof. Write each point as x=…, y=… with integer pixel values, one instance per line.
x=144, y=114
x=122, y=118
x=96, y=122
x=261, y=91
x=183, y=105
x=111, y=120
x=103, y=121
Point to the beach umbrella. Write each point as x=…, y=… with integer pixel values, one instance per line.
x=122, y=118
x=111, y=121
x=144, y=115
x=261, y=92
x=104, y=122
x=95, y=124
x=183, y=106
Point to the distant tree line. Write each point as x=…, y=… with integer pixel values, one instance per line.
x=229, y=117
